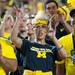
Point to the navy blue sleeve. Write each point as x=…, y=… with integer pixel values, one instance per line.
x=56, y=55
x=25, y=46
x=55, y=51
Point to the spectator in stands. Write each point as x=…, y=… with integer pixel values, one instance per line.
x=58, y=22
x=40, y=56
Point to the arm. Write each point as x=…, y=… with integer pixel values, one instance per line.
x=68, y=28
x=15, y=39
x=61, y=51
x=8, y=64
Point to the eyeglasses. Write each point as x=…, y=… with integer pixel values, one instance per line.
x=41, y=26
x=52, y=7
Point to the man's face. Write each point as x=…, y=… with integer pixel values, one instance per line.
x=22, y=25
x=41, y=31
x=51, y=8
x=30, y=27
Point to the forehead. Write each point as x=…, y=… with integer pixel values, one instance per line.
x=51, y=4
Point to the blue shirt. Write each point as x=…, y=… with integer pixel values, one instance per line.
x=39, y=57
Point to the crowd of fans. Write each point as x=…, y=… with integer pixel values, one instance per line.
x=37, y=37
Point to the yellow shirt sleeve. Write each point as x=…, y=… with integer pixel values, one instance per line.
x=2, y=72
x=67, y=42
x=7, y=49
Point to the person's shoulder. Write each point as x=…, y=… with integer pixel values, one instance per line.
x=7, y=48
x=2, y=39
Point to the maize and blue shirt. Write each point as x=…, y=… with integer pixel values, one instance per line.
x=38, y=57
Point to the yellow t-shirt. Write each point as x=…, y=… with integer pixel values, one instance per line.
x=7, y=51
x=30, y=72
x=67, y=42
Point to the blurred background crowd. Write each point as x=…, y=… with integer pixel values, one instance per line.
x=30, y=5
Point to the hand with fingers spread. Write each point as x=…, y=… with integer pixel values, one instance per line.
x=51, y=32
x=54, y=21
x=19, y=26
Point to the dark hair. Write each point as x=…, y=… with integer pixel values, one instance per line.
x=72, y=13
x=25, y=2
x=49, y=1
